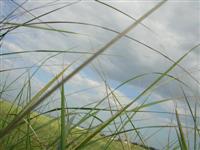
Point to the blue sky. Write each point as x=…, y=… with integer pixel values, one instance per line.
x=174, y=29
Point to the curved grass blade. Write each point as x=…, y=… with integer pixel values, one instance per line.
x=181, y=135
x=124, y=14
x=23, y=112
x=106, y=123
x=129, y=37
x=101, y=50
x=35, y=18
x=51, y=51
x=44, y=28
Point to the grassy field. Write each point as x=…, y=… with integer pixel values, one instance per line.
x=44, y=130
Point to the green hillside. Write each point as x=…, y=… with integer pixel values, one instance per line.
x=42, y=132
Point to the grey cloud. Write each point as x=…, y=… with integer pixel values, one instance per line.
x=176, y=33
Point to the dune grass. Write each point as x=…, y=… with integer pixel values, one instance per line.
x=43, y=130
x=22, y=127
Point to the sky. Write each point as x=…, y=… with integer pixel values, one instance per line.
x=172, y=30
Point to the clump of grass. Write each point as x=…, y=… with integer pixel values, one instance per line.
x=22, y=127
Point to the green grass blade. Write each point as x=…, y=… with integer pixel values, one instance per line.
x=122, y=110
x=43, y=28
x=63, y=130
x=101, y=50
x=106, y=123
x=124, y=14
x=35, y=18
x=127, y=36
x=181, y=137
x=24, y=112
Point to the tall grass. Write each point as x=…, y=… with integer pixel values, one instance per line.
x=23, y=127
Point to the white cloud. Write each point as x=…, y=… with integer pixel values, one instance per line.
x=175, y=26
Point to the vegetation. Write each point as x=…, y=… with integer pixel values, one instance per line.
x=41, y=131
x=23, y=126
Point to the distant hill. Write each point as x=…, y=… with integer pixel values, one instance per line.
x=43, y=132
